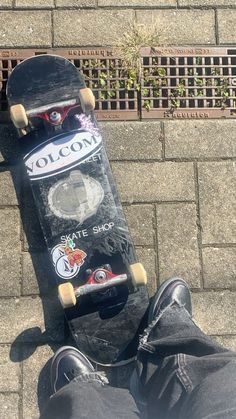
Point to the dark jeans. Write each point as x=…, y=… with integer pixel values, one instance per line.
x=184, y=374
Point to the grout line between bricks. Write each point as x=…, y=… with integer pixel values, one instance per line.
x=218, y=245
x=52, y=28
x=216, y=28
x=190, y=201
x=157, y=259
x=21, y=414
x=199, y=234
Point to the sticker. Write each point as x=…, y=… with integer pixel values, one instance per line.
x=76, y=197
x=61, y=153
x=67, y=259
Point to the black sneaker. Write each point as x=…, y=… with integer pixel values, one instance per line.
x=68, y=363
x=174, y=289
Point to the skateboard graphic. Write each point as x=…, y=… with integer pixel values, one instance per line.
x=101, y=286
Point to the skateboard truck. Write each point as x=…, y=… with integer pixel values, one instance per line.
x=100, y=280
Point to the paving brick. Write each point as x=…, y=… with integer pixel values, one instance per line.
x=226, y=25
x=134, y=3
x=181, y=26
x=76, y=3
x=25, y=319
x=73, y=27
x=228, y=342
x=9, y=370
x=139, y=182
x=217, y=184
x=177, y=242
x=25, y=29
x=36, y=380
x=9, y=406
x=7, y=190
x=219, y=267
x=140, y=219
x=37, y=273
x=214, y=311
x=207, y=3
x=148, y=258
x=132, y=140
x=4, y=4
x=10, y=266
x=36, y=4
x=9, y=146
x=205, y=139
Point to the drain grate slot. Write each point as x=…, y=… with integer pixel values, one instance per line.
x=184, y=82
x=189, y=83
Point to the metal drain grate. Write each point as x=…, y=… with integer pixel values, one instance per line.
x=102, y=70
x=184, y=82
x=189, y=82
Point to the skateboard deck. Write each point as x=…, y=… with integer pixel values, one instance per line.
x=79, y=209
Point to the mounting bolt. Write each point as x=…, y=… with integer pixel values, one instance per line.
x=100, y=276
x=55, y=117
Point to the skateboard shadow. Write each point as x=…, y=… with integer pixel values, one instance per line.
x=37, y=282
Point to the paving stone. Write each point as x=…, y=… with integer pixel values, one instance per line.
x=10, y=266
x=217, y=183
x=7, y=190
x=25, y=320
x=214, y=311
x=181, y=26
x=25, y=29
x=139, y=182
x=37, y=273
x=93, y=27
x=141, y=220
x=36, y=4
x=76, y=3
x=219, y=267
x=4, y=4
x=228, y=342
x=9, y=370
x=36, y=380
x=132, y=140
x=148, y=258
x=134, y=3
x=9, y=406
x=177, y=242
x=207, y=3
x=226, y=25
x=204, y=139
x=9, y=145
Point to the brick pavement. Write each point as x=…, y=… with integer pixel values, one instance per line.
x=176, y=179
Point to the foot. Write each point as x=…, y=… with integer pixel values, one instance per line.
x=172, y=290
x=68, y=363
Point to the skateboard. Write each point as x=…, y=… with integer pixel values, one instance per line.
x=101, y=285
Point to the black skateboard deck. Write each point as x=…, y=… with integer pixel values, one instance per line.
x=79, y=209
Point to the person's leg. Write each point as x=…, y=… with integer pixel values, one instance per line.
x=181, y=373
x=81, y=392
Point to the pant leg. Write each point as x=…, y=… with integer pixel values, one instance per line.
x=185, y=373
x=90, y=397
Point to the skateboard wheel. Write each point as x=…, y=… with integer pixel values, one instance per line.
x=18, y=116
x=87, y=100
x=66, y=295
x=138, y=274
